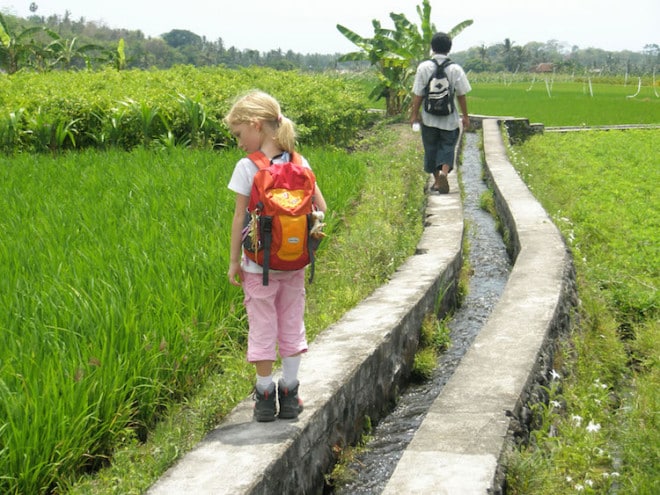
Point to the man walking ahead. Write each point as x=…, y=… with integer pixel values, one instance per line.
x=440, y=133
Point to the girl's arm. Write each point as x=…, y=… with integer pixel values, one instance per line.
x=235, y=273
x=319, y=200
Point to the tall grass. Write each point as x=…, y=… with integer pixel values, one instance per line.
x=599, y=433
x=114, y=296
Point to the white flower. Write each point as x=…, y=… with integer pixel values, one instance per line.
x=579, y=488
x=597, y=383
x=614, y=474
x=593, y=427
x=554, y=375
x=569, y=479
x=577, y=420
x=589, y=483
x=555, y=403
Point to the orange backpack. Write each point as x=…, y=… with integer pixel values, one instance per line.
x=280, y=215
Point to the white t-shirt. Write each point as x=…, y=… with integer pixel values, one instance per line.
x=457, y=79
x=241, y=183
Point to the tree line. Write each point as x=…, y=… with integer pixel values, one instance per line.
x=555, y=56
x=62, y=42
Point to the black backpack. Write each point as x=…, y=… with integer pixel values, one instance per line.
x=439, y=94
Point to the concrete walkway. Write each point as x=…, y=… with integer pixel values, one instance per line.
x=354, y=368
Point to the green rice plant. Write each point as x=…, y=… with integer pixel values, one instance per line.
x=11, y=130
x=107, y=130
x=63, y=132
x=46, y=135
x=196, y=117
x=115, y=302
x=168, y=141
x=570, y=103
x=41, y=131
x=147, y=117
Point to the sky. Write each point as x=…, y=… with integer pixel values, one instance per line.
x=309, y=26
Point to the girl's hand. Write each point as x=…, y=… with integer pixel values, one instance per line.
x=235, y=274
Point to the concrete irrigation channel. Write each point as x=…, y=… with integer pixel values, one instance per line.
x=488, y=267
x=358, y=366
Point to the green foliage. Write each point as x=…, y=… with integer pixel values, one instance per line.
x=396, y=53
x=433, y=340
x=121, y=55
x=16, y=45
x=600, y=429
x=129, y=49
x=426, y=360
x=183, y=105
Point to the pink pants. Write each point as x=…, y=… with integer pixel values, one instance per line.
x=275, y=314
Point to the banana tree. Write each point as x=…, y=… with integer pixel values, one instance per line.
x=15, y=47
x=64, y=52
x=396, y=53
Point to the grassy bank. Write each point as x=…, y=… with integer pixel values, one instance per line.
x=600, y=431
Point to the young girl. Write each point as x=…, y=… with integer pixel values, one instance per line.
x=275, y=311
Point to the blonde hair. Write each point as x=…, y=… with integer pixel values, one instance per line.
x=257, y=106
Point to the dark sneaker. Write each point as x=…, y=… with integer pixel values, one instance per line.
x=290, y=404
x=443, y=184
x=264, y=407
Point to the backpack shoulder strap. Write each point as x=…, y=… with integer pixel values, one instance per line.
x=262, y=161
x=259, y=159
x=296, y=158
x=444, y=63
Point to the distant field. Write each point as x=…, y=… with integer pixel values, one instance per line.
x=570, y=103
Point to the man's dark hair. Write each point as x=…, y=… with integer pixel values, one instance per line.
x=441, y=43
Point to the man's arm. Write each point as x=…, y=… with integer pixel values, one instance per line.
x=416, y=104
x=465, y=118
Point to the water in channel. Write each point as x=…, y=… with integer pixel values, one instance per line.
x=490, y=263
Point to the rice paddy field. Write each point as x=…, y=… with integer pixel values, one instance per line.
x=565, y=102
x=114, y=303
x=114, y=296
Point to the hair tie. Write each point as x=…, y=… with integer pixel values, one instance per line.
x=279, y=118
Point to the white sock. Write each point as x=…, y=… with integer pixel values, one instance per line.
x=290, y=367
x=263, y=382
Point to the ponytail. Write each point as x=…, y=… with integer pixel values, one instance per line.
x=285, y=135
x=259, y=106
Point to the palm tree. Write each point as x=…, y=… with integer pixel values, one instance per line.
x=396, y=53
